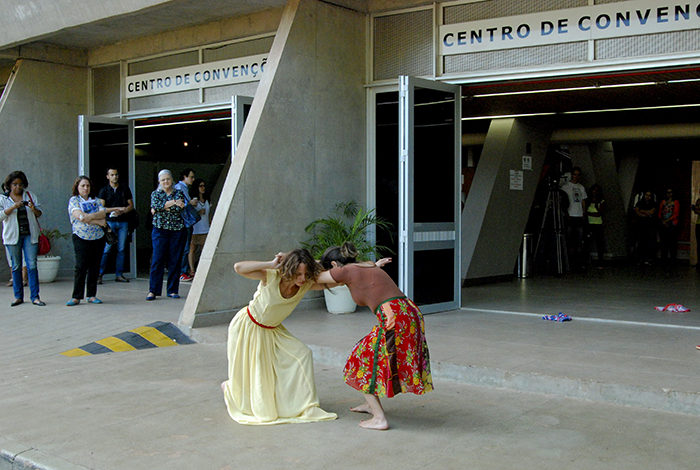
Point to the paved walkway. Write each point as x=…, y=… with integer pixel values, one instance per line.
x=161, y=408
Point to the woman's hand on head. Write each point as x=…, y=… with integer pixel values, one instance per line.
x=277, y=261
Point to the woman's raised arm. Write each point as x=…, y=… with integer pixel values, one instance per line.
x=257, y=269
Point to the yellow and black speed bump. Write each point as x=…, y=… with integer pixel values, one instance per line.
x=156, y=335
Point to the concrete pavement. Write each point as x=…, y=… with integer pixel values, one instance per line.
x=504, y=383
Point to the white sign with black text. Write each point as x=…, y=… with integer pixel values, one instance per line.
x=212, y=74
x=611, y=20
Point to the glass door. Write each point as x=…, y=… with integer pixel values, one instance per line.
x=429, y=193
x=105, y=143
x=240, y=107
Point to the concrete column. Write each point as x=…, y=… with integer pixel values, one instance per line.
x=615, y=216
x=494, y=216
x=302, y=151
x=39, y=135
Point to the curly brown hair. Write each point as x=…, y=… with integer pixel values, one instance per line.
x=292, y=260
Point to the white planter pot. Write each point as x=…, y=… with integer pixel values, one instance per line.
x=47, y=267
x=339, y=301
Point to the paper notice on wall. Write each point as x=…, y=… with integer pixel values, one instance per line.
x=516, y=180
x=527, y=162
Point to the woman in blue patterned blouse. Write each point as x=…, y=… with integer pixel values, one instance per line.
x=87, y=217
x=168, y=236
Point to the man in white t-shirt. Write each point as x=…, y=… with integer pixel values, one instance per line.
x=575, y=227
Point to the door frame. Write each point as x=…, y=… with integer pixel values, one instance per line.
x=426, y=236
x=84, y=163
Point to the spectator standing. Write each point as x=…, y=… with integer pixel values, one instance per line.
x=575, y=227
x=594, y=212
x=669, y=210
x=168, y=236
x=696, y=210
x=186, y=180
x=645, y=212
x=200, y=230
x=87, y=219
x=19, y=212
x=118, y=202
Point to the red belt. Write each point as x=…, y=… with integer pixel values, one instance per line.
x=259, y=324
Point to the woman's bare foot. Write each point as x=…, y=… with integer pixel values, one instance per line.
x=363, y=408
x=223, y=386
x=377, y=424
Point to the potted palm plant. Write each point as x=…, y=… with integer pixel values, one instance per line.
x=47, y=264
x=349, y=223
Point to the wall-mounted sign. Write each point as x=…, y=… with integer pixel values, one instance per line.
x=611, y=20
x=212, y=74
x=516, y=180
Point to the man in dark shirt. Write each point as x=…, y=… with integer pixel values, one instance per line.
x=118, y=202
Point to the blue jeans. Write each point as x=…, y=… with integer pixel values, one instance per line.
x=167, y=245
x=185, y=264
x=122, y=231
x=30, y=253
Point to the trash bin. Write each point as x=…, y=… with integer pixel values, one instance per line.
x=524, y=265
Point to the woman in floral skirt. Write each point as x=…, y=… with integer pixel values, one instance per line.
x=393, y=358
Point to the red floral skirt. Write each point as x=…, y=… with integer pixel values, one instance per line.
x=392, y=360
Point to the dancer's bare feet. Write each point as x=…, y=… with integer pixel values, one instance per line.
x=377, y=424
x=363, y=408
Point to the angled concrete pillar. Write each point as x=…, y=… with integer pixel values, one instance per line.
x=605, y=174
x=301, y=151
x=495, y=215
x=39, y=135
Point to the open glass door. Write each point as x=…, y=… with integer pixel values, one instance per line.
x=104, y=143
x=240, y=107
x=429, y=193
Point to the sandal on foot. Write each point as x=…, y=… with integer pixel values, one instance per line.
x=39, y=303
x=151, y=297
x=72, y=302
x=94, y=300
x=17, y=302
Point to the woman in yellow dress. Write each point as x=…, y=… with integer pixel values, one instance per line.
x=271, y=375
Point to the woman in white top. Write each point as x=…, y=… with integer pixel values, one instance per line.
x=201, y=228
x=19, y=211
x=87, y=218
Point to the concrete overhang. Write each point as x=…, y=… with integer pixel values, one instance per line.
x=88, y=25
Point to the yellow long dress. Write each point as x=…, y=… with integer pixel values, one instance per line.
x=271, y=373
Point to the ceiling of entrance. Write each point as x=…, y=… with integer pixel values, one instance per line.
x=165, y=17
x=627, y=98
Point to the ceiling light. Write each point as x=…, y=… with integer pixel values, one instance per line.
x=169, y=123
x=476, y=118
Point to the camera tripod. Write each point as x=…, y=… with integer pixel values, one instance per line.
x=552, y=212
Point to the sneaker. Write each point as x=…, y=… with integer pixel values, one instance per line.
x=186, y=278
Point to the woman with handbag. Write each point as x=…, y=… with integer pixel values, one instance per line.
x=168, y=236
x=19, y=212
x=87, y=218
